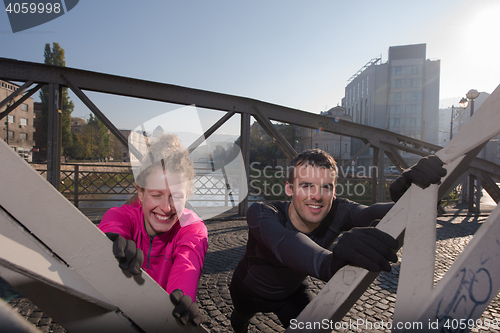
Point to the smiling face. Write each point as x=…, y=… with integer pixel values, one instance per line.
x=312, y=192
x=163, y=200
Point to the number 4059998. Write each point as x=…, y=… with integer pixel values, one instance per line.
x=27, y=7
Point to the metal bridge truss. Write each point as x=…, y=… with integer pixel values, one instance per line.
x=382, y=142
x=72, y=256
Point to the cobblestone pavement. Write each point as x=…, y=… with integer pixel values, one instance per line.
x=227, y=240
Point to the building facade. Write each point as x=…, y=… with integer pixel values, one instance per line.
x=400, y=95
x=17, y=128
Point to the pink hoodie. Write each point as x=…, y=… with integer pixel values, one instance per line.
x=173, y=259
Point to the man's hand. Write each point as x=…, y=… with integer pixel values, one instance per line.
x=129, y=256
x=185, y=310
x=429, y=170
x=367, y=247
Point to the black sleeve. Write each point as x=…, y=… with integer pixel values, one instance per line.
x=292, y=248
x=363, y=216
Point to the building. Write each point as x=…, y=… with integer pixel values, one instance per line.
x=338, y=146
x=18, y=126
x=400, y=95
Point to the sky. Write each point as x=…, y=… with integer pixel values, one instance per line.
x=293, y=53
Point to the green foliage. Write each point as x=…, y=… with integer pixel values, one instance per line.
x=96, y=139
x=92, y=141
x=55, y=56
x=263, y=148
x=77, y=150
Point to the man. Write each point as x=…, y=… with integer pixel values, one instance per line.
x=287, y=241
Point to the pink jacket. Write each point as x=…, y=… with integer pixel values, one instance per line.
x=173, y=259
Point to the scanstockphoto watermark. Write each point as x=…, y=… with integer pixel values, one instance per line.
x=28, y=14
x=360, y=324
x=268, y=181
x=354, y=325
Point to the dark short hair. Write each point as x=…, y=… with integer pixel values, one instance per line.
x=314, y=157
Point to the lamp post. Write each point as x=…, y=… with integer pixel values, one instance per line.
x=463, y=104
x=471, y=96
x=474, y=185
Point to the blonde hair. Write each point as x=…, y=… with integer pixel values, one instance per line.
x=167, y=154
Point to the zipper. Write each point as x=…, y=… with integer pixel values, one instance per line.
x=150, y=248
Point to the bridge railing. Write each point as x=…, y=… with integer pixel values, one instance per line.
x=115, y=183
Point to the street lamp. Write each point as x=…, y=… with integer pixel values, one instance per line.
x=474, y=185
x=471, y=96
x=463, y=104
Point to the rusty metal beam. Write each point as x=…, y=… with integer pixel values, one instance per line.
x=210, y=131
x=359, y=152
x=245, y=152
x=275, y=135
x=490, y=186
x=123, y=86
x=102, y=117
x=54, y=136
x=86, y=80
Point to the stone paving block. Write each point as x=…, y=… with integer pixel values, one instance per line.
x=227, y=241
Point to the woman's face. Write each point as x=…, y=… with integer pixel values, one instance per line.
x=163, y=200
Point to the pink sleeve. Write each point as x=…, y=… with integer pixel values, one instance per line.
x=119, y=220
x=189, y=253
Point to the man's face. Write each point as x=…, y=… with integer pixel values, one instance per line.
x=163, y=200
x=312, y=195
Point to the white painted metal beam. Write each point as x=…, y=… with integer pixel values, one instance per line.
x=65, y=231
x=416, y=279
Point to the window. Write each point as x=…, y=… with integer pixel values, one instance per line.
x=410, y=108
x=316, y=145
x=326, y=146
x=11, y=135
x=362, y=88
x=336, y=148
x=414, y=96
x=396, y=96
x=24, y=107
x=410, y=122
x=10, y=119
x=396, y=70
x=24, y=136
x=367, y=77
x=23, y=121
x=394, y=122
x=345, y=148
x=395, y=83
x=395, y=109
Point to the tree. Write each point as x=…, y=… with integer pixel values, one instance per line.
x=77, y=150
x=55, y=56
x=96, y=139
x=263, y=149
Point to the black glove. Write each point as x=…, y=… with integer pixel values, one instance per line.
x=185, y=310
x=429, y=170
x=127, y=253
x=367, y=247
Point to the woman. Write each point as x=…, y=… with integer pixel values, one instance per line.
x=157, y=233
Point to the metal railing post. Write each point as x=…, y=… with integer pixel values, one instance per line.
x=76, y=184
x=375, y=175
x=244, y=169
